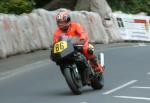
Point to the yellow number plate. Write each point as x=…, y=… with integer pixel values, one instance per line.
x=60, y=46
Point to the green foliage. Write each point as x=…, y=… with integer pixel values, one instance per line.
x=130, y=6
x=15, y=6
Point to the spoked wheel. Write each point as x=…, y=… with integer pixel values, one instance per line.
x=73, y=79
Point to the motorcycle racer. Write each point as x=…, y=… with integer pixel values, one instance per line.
x=71, y=29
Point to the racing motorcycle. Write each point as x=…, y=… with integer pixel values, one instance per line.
x=74, y=66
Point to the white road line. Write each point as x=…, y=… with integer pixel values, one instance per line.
x=138, y=87
x=148, y=73
x=129, y=97
x=114, y=48
x=25, y=68
x=142, y=44
x=120, y=87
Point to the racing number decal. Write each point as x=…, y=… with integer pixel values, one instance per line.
x=60, y=46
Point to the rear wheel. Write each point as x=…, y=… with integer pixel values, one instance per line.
x=73, y=79
x=98, y=82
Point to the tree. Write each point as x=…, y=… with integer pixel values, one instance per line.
x=130, y=6
x=15, y=6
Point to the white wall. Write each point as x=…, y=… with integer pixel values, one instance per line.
x=27, y=32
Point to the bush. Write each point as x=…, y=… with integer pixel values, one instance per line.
x=15, y=6
x=130, y=6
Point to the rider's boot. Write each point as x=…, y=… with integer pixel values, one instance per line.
x=96, y=66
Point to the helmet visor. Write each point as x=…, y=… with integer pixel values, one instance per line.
x=61, y=23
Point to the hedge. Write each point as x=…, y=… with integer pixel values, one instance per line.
x=130, y=6
x=15, y=6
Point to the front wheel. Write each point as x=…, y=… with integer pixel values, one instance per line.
x=98, y=82
x=73, y=79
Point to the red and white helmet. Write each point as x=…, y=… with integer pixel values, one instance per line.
x=63, y=20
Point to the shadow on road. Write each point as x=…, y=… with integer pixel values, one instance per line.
x=86, y=91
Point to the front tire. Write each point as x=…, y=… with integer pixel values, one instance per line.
x=73, y=80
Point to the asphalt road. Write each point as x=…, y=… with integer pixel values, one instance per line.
x=127, y=79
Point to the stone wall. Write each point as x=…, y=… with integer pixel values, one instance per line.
x=29, y=32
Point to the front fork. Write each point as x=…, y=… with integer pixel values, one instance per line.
x=71, y=66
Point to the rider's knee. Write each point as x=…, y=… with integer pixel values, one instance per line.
x=91, y=49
